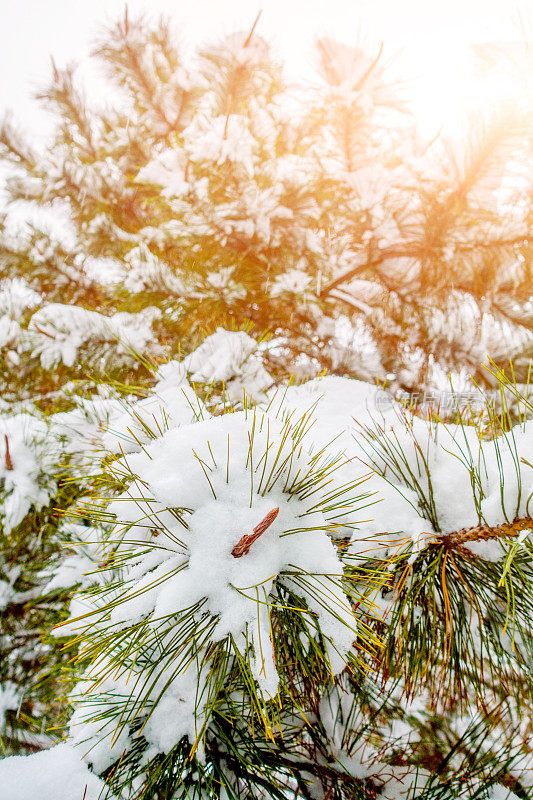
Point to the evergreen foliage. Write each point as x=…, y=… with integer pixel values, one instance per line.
x=216, y=581
x=221, y=193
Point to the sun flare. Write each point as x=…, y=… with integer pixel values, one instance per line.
x=466, y=81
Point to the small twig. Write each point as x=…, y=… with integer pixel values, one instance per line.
x=40, y=330
x=7, y=458
x=246, y=541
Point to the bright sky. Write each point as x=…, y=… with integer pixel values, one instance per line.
x=432, y=35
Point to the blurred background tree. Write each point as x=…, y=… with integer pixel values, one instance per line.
x=211, y=192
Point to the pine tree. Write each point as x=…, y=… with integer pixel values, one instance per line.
x=221, y=194
x=259, y=614
x=382, y=657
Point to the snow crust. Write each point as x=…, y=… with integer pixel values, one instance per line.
x=55, y=774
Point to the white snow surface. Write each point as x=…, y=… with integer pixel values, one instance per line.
x=81, y=431
x=229, y=357
x=220, y=139
x=55, y=774
x=75, y=567
x=206, y=467
x=364, y=761
x=170, y=403
x=294, y=281
x=224, y=508
x=499, y=792
x=345, y=407
x=166, y=169
x=10, y=699
x=125, y=425
x=16, y=296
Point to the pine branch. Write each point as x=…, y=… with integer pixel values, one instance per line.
x=481, y=533
x=419, y=250
x=14, y=148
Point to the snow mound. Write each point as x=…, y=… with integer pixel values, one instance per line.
x=229, y=357
x=170, y=403
x=55, y=774
x=217, y=517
